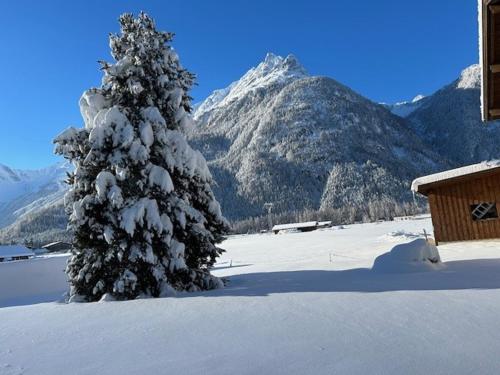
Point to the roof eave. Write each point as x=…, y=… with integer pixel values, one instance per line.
x=425, y=189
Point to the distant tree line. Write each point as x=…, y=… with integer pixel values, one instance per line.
x=373, y=211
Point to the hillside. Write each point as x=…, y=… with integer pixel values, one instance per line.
x=285, y=137
x=24, y=192
x=449, y=121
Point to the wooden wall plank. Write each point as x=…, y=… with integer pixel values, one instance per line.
x=436, y=224
x=482, y=224
x=465, y=212
x=493, y=185
x=452, y=214
x=462, y=224
x=445, y=216
x=489, y=198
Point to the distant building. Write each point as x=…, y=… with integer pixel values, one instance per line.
x=464, y=202
x=302, y=227
x=403, y=218
x=58, y=246
x=324, y=224
x=15, y=252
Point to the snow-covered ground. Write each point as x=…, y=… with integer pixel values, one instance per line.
x=297, y=303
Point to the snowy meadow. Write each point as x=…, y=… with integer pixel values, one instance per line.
x=294, y=303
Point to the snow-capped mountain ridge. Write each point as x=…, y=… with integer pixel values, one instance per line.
x=22, y=191
x=274, y=69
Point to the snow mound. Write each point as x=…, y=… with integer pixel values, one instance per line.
x=337, y=227
x=399, y=235
x=415, y=256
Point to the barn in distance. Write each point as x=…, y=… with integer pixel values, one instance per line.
x=464, y=202
x=301, y=227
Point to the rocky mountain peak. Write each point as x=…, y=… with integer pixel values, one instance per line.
x=470, y=78
x=273, y=69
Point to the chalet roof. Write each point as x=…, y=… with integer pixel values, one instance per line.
x=9, y=251
x=56, y=243
x=423, y=184
x=308, y=224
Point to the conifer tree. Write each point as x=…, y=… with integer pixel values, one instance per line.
x=144, y=217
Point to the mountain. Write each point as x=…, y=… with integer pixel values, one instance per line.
x=274, y=70
x=404, y=109
x=449, y=121
x=279, y=135
x=27, y=193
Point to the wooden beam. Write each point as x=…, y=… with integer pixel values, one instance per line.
x=485, y=60
x=495, y=68
x=495, y=9
x=494, y=112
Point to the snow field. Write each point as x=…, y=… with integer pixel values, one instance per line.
x=298, y=303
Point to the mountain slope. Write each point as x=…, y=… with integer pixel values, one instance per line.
x=282, y=142
x=450, y=122
x=25, y=191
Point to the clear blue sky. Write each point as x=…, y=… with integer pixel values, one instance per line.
x=387, y=50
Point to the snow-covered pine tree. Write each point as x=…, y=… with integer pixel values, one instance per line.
x=145, y=219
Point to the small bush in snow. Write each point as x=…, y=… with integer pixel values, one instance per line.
x=141, y=206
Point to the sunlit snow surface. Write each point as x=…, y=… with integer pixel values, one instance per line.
x=297, y=303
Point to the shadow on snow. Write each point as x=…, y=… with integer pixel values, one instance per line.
x=457, y=275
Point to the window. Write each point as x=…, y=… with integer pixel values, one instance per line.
x=484, y=211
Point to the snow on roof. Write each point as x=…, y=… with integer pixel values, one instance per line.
x=453, y=173
x=14, y=251
x=56, y=243
x=324, y=223
x=295, y=225
x=51, y=244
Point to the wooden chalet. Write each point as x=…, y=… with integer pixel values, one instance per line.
x=489, y=31
x=464, y=202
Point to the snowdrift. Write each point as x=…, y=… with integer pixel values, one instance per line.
x=415, y=256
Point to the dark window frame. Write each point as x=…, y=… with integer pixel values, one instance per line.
x=484, y=211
